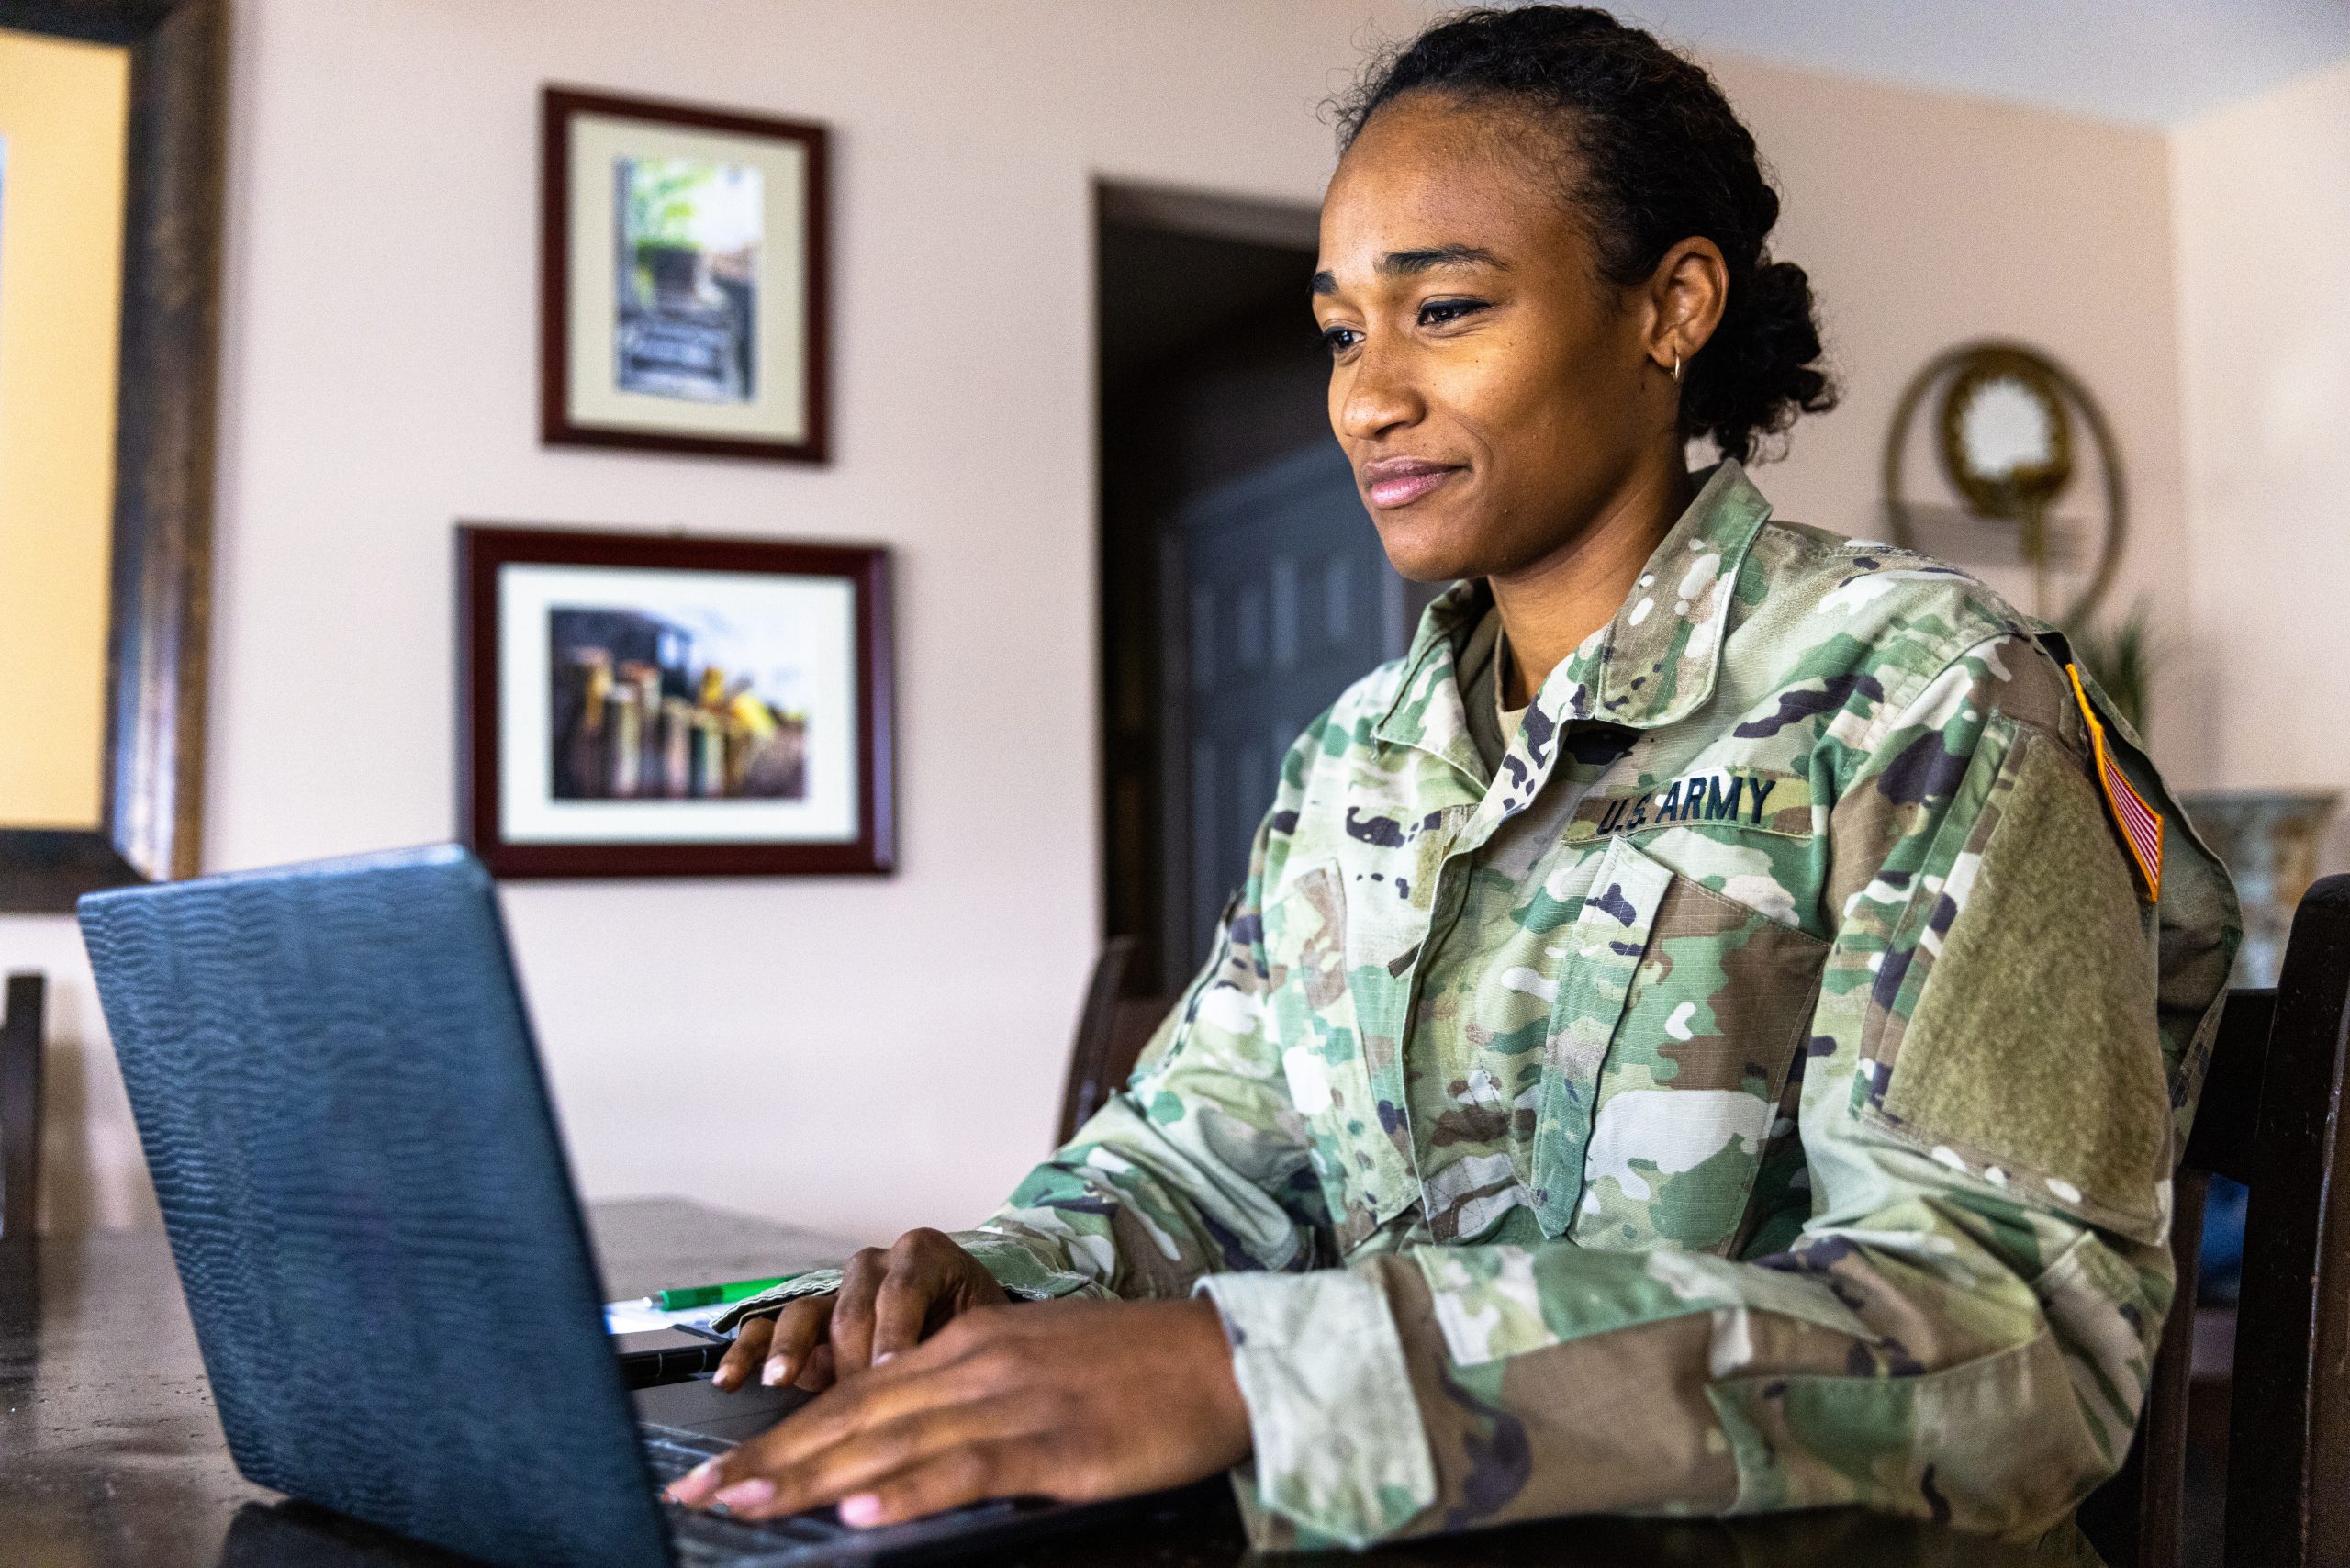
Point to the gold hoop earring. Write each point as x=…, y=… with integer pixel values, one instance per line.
x=1676, y=370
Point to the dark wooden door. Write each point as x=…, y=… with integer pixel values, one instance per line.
x=1283, y=598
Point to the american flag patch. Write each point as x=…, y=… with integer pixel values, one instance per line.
x=2141, y=824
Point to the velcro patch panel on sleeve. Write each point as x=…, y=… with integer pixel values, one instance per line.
x=1743, y=798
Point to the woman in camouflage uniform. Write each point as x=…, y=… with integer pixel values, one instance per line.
x=1708, y=1030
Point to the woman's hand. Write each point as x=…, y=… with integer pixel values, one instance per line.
x=889, y=1301
x=1079, y=1400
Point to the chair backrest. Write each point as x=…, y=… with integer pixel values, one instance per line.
x=1111, y=1033
x=2272, y=1116
x=2288, y=1423
x=21, y=1032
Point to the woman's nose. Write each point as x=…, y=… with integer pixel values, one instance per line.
x=1379, y=396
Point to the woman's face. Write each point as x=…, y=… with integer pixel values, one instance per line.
x=1493, y=392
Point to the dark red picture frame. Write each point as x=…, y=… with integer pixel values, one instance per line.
x=559, y=106
x=483, y=551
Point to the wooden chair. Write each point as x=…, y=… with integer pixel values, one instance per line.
x=1111, y=1033
x=2273, y=1116
x=21, y=1032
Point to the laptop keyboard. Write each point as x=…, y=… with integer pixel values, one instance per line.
x=702, y=1539
x=705, y=1540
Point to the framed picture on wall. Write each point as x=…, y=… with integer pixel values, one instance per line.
x=647, y=705
x=683, y=293
x=112, y=156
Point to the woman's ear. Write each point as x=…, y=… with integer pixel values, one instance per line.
x=1686, y=295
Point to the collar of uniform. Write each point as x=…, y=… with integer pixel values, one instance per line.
x=1426, y=710
x=1649, y=665
x=1664, y=647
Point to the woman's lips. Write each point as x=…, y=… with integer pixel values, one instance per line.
x=1399, y=483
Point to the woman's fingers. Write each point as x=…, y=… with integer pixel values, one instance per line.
x=1078, y=1400
x=817, y=1375
x=749, y=1349
x=843, y=1469
x=925, y=1386
x=886, y=1300
x=775, y=1474
x=901, y=1305
x=799, y=1328
x=777, y=1350
x=851, y=1329
x=923, y=1269
x=948, y=1480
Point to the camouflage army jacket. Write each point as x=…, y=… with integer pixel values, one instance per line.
x=1760, y=1091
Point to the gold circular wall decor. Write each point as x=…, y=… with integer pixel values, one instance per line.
x=2006, y=442
x=2005, y=432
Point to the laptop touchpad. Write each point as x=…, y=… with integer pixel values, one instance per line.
x=695, y=1406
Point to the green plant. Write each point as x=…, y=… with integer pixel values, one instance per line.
x=2123, y=656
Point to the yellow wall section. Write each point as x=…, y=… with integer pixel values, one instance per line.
x=63, y=114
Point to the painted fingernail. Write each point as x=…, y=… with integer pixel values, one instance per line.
x=747, y=1493
x=862, y=1510
x=775, y=1370
x=688, y=1488
x=885, y=1357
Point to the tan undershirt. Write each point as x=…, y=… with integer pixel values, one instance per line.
x=1480, y=668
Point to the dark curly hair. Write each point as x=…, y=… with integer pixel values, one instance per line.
x=1656, y=157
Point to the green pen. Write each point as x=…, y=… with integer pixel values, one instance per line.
x=686, y=1297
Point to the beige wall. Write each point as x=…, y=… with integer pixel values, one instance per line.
x=63, y=116
x=2263, y=222
x=870, y=1054
x=1925, y=219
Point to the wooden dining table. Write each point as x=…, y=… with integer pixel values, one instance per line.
x=111, y=1452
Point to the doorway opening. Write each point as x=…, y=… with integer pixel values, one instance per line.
x=1242, y=585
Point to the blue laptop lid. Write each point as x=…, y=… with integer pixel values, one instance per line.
x=368, y=1202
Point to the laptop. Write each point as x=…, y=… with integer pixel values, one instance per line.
x=376, y=1230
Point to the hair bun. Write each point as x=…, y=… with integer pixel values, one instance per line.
x=1760, y=369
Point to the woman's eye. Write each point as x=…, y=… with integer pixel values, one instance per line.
x=1444, y=312
x=1338, y=339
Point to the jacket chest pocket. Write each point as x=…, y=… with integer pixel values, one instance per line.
x=1319, y=1011
x=1679, y=1021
